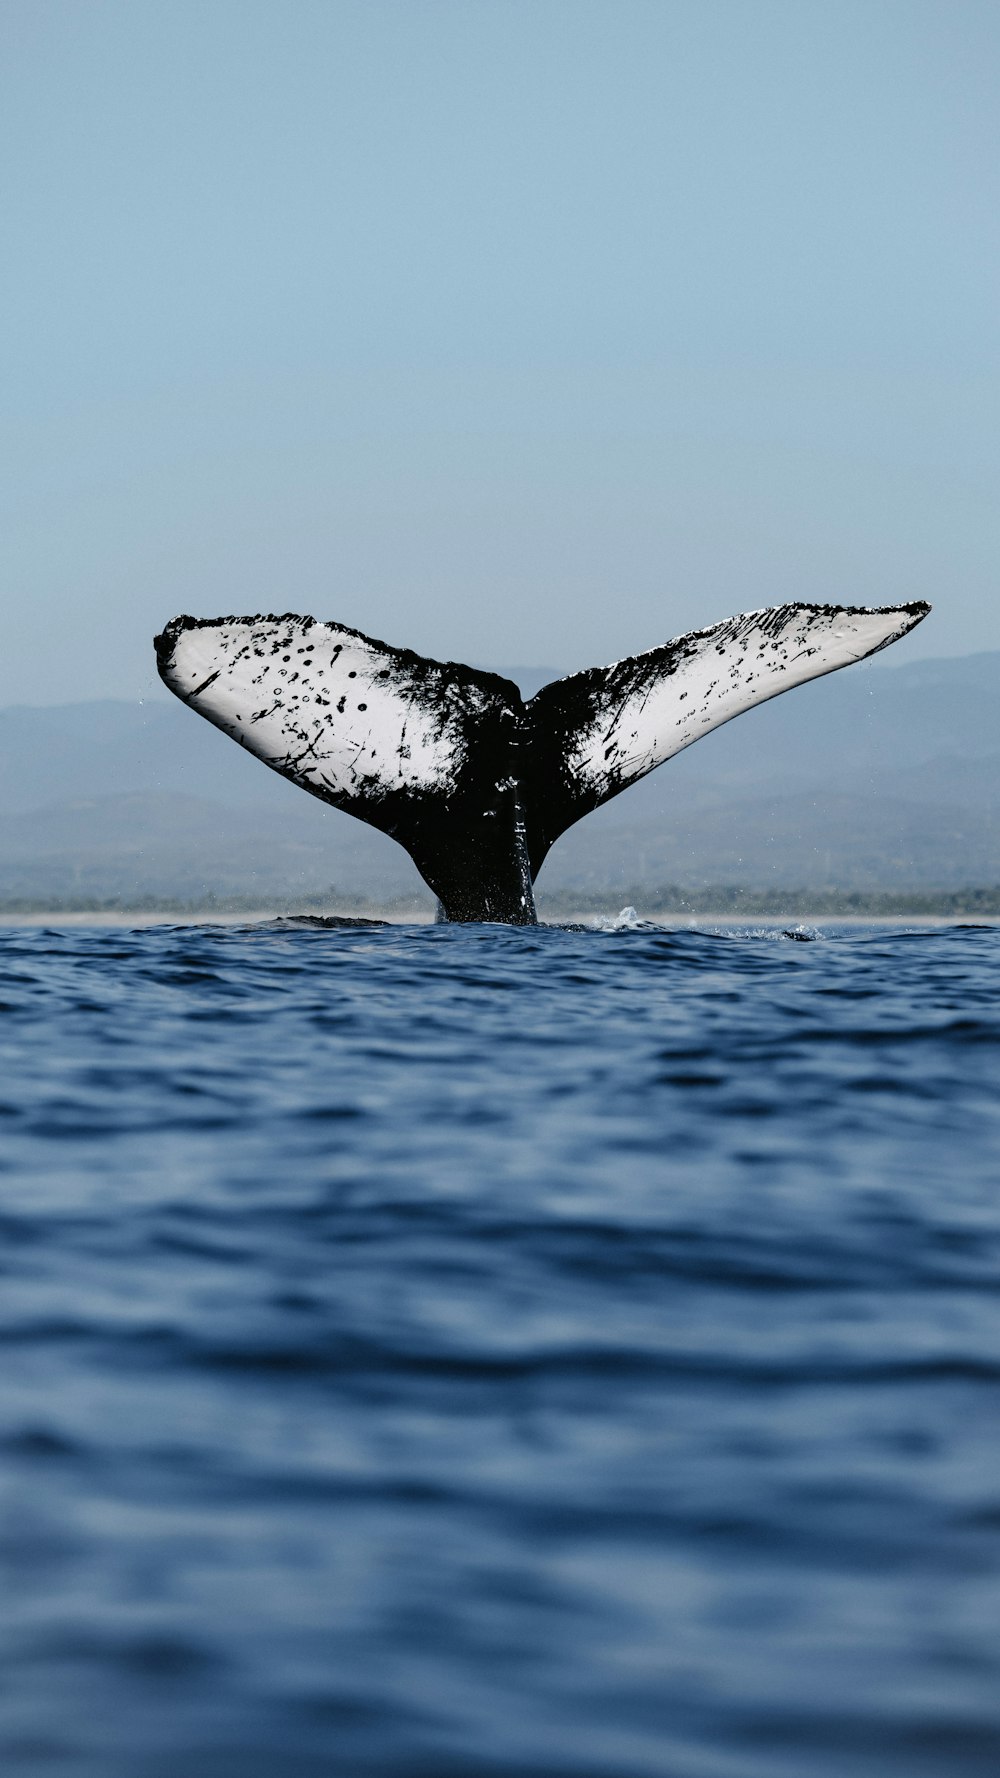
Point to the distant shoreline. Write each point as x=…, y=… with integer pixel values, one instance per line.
x=673, y=903
x=682, y=918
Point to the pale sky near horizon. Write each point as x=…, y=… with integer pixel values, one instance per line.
x=514, y=331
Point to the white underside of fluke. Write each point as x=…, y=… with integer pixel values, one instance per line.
x=322, y=705
x=648, y=715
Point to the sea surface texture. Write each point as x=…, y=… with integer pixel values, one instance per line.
x=491, y=1353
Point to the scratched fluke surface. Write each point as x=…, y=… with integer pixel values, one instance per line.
x=480, y=1351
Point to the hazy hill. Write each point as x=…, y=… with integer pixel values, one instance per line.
x=880, y=776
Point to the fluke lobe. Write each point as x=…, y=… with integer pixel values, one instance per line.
x=473, y=781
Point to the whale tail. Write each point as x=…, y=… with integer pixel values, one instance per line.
x=475, y=783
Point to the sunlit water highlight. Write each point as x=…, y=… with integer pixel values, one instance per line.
x=464, y=1352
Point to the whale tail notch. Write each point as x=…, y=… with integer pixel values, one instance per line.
x=449, y=760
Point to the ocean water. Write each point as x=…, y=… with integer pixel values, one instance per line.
x=485, y=1353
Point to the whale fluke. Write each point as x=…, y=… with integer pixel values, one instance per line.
x=475, y=783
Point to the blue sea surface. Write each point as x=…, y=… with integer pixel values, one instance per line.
x=467, y=1352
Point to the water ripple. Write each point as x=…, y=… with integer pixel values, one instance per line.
x=508, y=1354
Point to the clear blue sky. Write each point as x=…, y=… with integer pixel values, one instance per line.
x=528, y=331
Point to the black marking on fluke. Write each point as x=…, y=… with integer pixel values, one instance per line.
x=475, y=783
